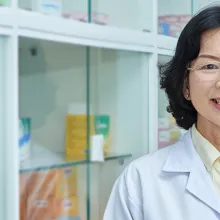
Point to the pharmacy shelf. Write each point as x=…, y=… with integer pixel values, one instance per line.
x=42, y=160
x=166, y=45
x=36, y=25
x=6, y=17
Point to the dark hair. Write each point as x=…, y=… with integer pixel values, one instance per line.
x=174, y=74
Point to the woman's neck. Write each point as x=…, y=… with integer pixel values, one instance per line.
x=209, y=131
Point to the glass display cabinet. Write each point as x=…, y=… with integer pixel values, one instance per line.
x=80, y=99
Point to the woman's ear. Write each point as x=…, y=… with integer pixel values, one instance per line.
x=186, y=91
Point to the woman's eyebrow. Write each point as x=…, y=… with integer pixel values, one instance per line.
x=209, y=56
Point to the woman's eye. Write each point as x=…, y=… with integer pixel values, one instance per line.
x=210, y=66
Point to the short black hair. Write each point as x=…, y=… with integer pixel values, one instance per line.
x=174, y=74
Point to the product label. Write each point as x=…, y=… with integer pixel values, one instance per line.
x=67, y=204
x=41, y=203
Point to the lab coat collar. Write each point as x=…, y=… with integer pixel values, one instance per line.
x=184, y=158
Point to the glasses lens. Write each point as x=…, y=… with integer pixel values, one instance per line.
x=207, y=71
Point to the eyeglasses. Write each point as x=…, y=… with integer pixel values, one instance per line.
x=207, y=71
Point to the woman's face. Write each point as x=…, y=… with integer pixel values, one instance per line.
x=204, y=81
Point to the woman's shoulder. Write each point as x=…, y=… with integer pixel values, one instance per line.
x=151, y=164
x=153, y=160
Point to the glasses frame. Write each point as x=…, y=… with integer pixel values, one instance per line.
x=193, y=68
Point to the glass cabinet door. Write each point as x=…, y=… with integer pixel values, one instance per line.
x=81, y=121
x=117, y=100
x=124, y=13
x=173, y=16
x=52, y=131
x=70, y=9
x=200, y=4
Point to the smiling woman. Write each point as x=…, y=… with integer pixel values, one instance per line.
x=177, y=181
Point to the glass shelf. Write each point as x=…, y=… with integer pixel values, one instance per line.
x=44, y=160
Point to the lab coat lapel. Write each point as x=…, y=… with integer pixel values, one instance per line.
x=201, y=186
x=183, y=158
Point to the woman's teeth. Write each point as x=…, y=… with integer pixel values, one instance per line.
x=217, y=101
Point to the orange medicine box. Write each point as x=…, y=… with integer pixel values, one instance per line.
x=23, y=183
x=66, y=182
x=43, y=182
x=40, y=207
x=67, y=206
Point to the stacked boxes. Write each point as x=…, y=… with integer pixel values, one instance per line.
x=172, y=25
x=66, y=202
x=46, y=195
x=40, y=201
x=76, y=134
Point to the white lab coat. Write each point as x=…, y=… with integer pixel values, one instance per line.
x=170, y=184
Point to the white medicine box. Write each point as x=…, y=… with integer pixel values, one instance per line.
x=51, y=7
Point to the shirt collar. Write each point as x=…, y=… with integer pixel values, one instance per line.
x=208, y=153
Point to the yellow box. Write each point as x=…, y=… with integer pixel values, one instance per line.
x=76, y=154
x=67, y=206
x=78, y=144
x=66, y=182
x=76, y=135
x=76, y=122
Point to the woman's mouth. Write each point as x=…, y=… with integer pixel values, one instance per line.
x=216, y=103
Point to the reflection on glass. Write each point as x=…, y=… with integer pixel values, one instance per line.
x=168, y=131
x=125, y=13
x=173, y=16
x=117, y=98
x=74, y=9
x=52, y=85
x=117, y=102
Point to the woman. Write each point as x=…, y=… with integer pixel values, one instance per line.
x=182, y=181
